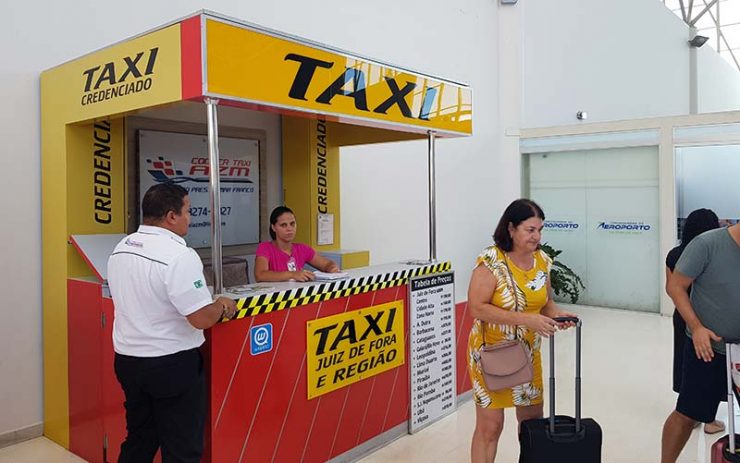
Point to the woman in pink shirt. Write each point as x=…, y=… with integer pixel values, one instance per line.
x=281, y=259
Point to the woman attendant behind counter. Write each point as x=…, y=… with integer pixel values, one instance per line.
x=281, y=259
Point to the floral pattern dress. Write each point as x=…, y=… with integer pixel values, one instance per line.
x=530, y=297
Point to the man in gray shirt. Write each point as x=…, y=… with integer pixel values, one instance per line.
x=710, y=266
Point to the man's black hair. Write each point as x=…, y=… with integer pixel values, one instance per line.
x=161, y=199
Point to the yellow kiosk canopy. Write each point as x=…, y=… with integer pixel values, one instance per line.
x=209, y=56
x=254, y=67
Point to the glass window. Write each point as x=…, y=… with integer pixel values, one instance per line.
x=706, y=176
x=602, y=212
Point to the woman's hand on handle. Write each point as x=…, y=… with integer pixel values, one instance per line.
x=567, y=324
x=552, y=310
x=541, y=324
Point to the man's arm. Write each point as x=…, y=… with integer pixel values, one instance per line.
x=678, y=289
x=187, y=291
x=209, y=315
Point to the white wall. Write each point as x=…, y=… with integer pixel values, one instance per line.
x=617, y=60
x=384, y=187
x=450, y=39
x=718, y=81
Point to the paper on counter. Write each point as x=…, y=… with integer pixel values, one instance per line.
x=323, y=276
x=246, y=289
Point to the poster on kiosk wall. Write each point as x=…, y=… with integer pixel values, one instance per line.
x=183, y=159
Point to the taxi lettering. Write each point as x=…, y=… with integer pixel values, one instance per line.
x=371, y=324
x=118, y=72
x=355, y=78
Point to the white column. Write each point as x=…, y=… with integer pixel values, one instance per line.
x=215, y=190
x=510, y=74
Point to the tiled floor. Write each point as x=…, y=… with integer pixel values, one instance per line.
x=40, y=450
x=626, y=374
x=626, y=388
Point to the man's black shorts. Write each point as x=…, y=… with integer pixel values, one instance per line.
x=703, y=385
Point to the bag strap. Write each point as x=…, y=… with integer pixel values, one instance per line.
x=516, y=301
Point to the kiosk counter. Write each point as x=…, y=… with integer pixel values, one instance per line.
x=305, y=372
x=310, y=371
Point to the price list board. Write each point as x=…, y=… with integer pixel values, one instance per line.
x=432, y=326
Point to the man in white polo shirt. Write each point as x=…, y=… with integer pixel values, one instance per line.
x=162, y=306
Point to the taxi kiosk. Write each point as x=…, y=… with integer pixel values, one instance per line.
x=306, y=371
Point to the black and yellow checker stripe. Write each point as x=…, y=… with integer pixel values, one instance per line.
x=281, y=300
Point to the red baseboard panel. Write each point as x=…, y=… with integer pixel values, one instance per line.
x=85, y=369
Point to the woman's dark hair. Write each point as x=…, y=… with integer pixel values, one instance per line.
x=161, y=199
x=517, y=212
x=698, y=222
x=275, y=215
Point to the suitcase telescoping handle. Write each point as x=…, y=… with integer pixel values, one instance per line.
x=730, y=395
x=578, y=323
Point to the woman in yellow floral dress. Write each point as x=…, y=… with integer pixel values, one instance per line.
x=508, y=310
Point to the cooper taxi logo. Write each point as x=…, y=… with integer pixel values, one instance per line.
x=395, y=94
x=131, y=74
x=232, y=170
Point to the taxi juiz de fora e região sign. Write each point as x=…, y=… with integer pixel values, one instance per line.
x=349, y=347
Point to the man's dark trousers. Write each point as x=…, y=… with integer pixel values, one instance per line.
x=165, y=406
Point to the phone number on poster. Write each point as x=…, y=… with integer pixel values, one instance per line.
x=203, y=211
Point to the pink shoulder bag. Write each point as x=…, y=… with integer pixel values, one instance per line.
x=506, y=364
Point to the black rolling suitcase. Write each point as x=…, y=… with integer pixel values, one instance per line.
x=561, y=438
x=721, y=450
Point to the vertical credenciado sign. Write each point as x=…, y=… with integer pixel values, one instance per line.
x=346, y=348
x=432, y=328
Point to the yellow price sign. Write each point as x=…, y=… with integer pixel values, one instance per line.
x=346, y=348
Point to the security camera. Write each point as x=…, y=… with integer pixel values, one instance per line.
x=581, y=115
x=698, y=41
